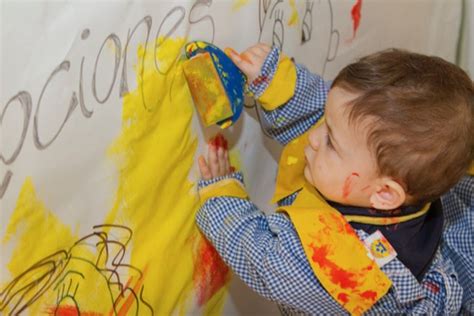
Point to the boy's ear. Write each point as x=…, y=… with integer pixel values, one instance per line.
x=388, y=195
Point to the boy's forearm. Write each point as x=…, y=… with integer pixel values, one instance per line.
x=292, y=103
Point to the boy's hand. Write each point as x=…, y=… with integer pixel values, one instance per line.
x=218, y=163
x=250, y=62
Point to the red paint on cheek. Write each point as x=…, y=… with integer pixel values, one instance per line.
x=371, y=295
x=337, y=275
x=347, y=187
x=210, y=273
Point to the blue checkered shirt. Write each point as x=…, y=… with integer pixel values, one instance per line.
x=266, y=253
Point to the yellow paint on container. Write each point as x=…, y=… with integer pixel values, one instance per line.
x=206, y=89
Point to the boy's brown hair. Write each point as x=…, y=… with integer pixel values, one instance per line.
x=421, y=111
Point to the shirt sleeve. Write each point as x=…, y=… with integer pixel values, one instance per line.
x=265, y=252
x=305, y=106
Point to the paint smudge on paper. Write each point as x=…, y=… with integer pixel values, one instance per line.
x=356, y=17
x=211, y=273
x=294, y=14
x=238, y=4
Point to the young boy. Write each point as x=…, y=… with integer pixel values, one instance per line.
x=365, y=162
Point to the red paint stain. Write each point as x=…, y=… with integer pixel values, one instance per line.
x=219, y=141
x=69, y=310
x=210, y=272
x=259, y=80
x=337, y=275
x=432, y=287
x=347, y=187
x=371, y=295
x=356, y=16
x=343, y=297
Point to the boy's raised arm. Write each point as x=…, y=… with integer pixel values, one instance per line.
x=292, y=97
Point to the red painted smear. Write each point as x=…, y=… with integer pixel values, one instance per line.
x=69, y=310
x=347, y=187
x=338, y=275
x=432, y=287
x=260, y=80
x=210, y=272
x=356, y=16
x=343, y=297
x=371, y=295
x=219, y=141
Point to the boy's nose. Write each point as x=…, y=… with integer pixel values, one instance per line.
x=313, y=139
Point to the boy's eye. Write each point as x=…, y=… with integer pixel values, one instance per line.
x=328, y=142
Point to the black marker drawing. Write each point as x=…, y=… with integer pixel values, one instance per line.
x=174, y=17
x=270, y=10
x=307, y=24
x=65, y=271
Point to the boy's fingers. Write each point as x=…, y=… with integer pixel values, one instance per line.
x=260, y=52
x=212, y=160
x=264, y=47
x=204, y=169
x=242, y=62
x=221, y=158
x=227, y=162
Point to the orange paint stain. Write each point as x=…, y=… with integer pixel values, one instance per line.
x=210, y=274
x=356, y=16
x=343, y=297
x=432, y=287
x=69, y=310
x=259, y=80
x=371, y=295
x=346, y=279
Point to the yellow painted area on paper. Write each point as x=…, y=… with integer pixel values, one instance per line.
x=154, y=154
x=143, y=257
x=294, y=14
x=54, y=271
x=238, y=4
x=32, y=220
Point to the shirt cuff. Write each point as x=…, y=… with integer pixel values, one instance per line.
x=236, y=175
x=269, y=67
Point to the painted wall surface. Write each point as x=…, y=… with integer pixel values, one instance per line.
x=99, y=139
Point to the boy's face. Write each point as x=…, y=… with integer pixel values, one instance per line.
x=339, y=162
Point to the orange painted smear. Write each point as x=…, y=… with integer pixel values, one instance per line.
x=123, y=311
x=338, y=275
x=69, y=310
x=343, y=297
x=356, y=16
x=369, y=295
x=211, y=273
